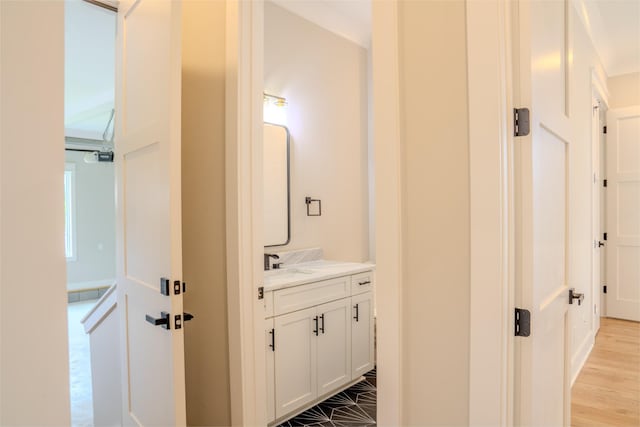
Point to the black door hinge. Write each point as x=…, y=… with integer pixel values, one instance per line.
x=261, y=292
x=604, y=289
x=522, y=322
x=604, y=183
x=604, y=129
x=605, y=236
x=520, y=121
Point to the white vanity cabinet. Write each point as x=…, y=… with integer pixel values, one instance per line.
x=319, y=340
x=362, y=358
x=269, y=332
x=296, y=376
x=334, y=345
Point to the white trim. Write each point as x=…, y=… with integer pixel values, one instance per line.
x=388, y=209
x=580, y=357
x=73, y=217
x=91, y=284
x=490, y=130
x=600, y=87
x=101, y=310
x=244, y=81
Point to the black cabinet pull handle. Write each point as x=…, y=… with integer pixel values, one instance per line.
x=357, y=316
x=322, y=327
x=315, y=331
x=163, y=320
x=366, y=282
x=273, y=339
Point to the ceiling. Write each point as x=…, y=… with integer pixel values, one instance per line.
x=350, y=19
x=90, y=37
x=614, y=28
x=613, y=25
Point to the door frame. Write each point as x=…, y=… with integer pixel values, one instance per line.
x=492, y=280
x=601, y=94
x=492, y=261
x=244, y=80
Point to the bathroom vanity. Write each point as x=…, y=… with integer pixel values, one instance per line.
x=319, y=333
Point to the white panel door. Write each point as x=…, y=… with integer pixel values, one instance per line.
x=623, y=213
x=296, y=352
x=362, y=359
x=334, y=345
x=149, y=210
x=542, y=394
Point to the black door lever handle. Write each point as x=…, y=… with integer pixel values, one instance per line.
x=187, y=316
x=575, y=295
x=163, y=321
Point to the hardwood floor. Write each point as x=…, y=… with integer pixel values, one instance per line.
x=607, y=392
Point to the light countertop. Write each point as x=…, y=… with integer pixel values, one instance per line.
x=313, y=271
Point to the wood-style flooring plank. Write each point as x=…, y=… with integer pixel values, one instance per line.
x=607, y=391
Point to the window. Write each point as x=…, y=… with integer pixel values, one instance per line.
x=70, y=211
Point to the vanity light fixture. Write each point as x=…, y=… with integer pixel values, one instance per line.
x=278, y=101
x=274, y=110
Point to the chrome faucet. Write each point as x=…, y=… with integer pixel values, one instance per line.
x=267, y=260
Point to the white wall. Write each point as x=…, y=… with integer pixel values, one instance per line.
x=324, y=79
x=624, y=90
x=34, y=365
x=435, y=213
x=95, y=263
x=204, y=241
x=582, y=318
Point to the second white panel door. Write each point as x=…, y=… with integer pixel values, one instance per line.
x=334, y=345
x=362, y=358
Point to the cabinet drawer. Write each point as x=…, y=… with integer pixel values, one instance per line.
x=362, y=282
x=303, y=296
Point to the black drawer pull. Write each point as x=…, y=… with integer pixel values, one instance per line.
x=273, y=339
x=368, y=282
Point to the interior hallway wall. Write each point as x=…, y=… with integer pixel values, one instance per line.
x=435, y=213
x=624, y=90
x=95, y=263
x=34, y=364
x=203, y=213
x=324, y=79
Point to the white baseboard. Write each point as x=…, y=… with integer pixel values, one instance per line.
x=93, y=284
x=581, y=355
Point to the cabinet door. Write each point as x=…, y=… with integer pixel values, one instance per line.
x=362, y=359
x=334, y=345
x=269, y=332
x=295, y=360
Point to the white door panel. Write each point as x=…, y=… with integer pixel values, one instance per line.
x=149, y=210
x=295, y=360
x=270, y=368
x=334, y=345
x=542, y=229
x=362, y=337
x=623, y=213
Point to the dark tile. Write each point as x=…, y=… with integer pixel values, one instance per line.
x=353, y=407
